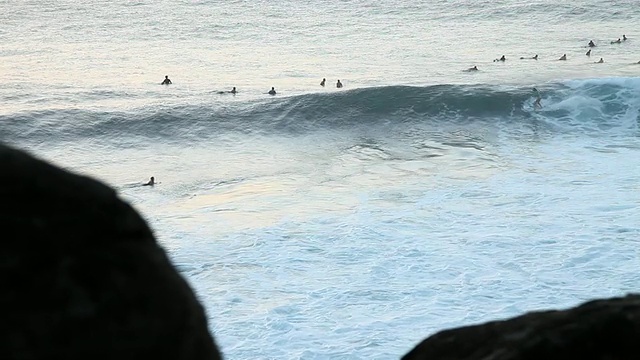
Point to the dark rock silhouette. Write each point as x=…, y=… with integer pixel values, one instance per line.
x=601, y=329
x=83, y=276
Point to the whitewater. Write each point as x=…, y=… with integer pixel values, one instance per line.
x=326, y=223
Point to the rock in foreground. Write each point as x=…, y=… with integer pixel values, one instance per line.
x=601, y=329
x=82, y=275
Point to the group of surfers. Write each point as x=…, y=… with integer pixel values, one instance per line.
x=564, y=56
x=167, y=81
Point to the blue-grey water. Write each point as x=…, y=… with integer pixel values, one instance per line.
x=351, y=223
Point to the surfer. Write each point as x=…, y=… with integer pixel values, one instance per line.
x=563, y=57
x=232, y=91
x=532, y=58
x=536, y=103
x=272, y=91
x=151, y=182
x=323, y=82
x=600, y=61
x=624, y=37
x=338, y=84
x=588, y=53
x=474, y=68
x=166, y=81
x=592, y=44
x=617, y=41
x=501, y=59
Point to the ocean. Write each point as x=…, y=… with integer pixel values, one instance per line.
x=325, y=223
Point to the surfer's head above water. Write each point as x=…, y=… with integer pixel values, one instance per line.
x=152, y=181
x=272, y=91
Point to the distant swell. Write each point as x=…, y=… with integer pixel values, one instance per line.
x=578, y=105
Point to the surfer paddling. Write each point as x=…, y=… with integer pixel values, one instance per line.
x=232, y=91
x=151, y=182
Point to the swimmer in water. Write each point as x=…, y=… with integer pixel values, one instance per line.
x=563, y=57
x=323, y=82
x=600, y=61
x=592, y=44
x=151, y=182
x=166, y=81
x=536, y=103
x=617, y=41
x=272, y=91
x=338, y=84
x=624, y=37
x=588, y=53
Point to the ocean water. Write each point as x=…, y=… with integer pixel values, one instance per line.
x=351, y=223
